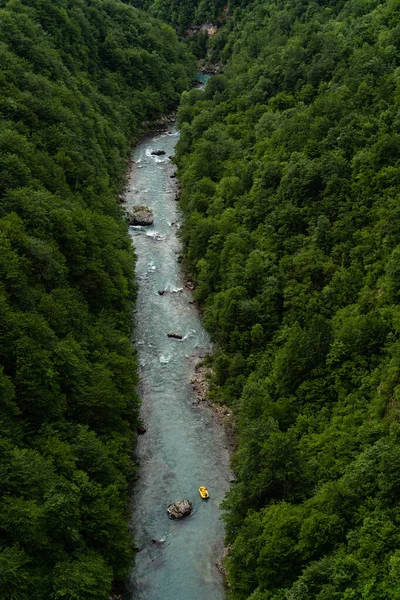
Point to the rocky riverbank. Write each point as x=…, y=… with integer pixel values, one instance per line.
x=224, y=415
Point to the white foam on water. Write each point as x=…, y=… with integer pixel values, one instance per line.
x=164, y=360
x=189, y=334
x=156, y=159
x=155, y=235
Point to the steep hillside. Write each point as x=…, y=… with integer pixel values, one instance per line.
x=290, y=170
x=78, y=77
x=182, y=13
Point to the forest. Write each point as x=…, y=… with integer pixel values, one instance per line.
x=290, y=167
x=78, y=79
x=182, y=13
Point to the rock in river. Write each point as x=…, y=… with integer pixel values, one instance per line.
x=140, y=215
x=179, y=509
x=177, y=336
x=158, y=153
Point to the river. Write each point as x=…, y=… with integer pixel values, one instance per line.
x=184, y=447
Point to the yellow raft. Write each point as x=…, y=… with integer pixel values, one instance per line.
x=203, y=491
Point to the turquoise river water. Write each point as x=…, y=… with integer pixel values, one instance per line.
x=184, y=447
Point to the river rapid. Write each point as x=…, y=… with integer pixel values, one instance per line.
x=184, y=446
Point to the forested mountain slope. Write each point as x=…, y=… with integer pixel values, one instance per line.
x=78, y=77
x=290, y=170
x=182, y=13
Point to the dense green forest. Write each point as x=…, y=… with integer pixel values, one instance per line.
x=182, y=13
x=78, y=77
x=290, y=165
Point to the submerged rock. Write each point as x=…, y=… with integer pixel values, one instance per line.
x=176, y=336
x=158, y=153
x=179, y=509
x=140, y=215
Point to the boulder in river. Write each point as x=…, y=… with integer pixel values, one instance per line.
x=141, y=430
x=176, y=336
x=140, y=215
x=158, y=153
x=179, y=509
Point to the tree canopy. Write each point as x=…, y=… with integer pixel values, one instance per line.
x=78, y=78
x=290, y=170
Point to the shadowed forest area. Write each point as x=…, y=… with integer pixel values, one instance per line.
x=290, y=169
x=78, y=77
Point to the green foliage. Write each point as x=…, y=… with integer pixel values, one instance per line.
x=77, y=80
x=290, y=172
x=182, y=13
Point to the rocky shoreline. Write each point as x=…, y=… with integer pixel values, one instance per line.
x=223, y=414
x=220, y=564
x=216, y=69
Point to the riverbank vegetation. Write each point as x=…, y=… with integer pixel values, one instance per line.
x=290, y=165
x=77, y=80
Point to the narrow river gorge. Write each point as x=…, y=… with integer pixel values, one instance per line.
x=184, y=447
